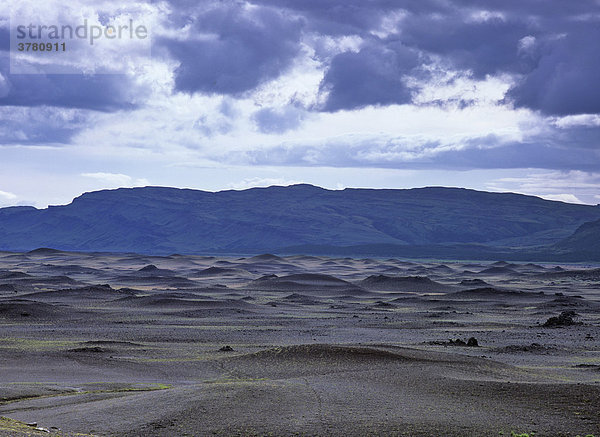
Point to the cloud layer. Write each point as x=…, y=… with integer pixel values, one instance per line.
x=455, y=86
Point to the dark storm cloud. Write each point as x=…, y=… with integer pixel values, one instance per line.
x=31, y=104
x=230, y=47
x=101, y=93
x=373, y=76
x=566, y=79
x=336, y=17
x=557, y=74
x=488, y=47
x=233, y=48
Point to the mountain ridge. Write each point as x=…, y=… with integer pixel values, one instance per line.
x=162, y=220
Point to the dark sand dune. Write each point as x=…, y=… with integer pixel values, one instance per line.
x=581, y=274
x=383, y=305
x=392, y=269
x=534, y=266
x=262, y=267
x=301, y=299
x=328, y=263
x=42, y=281
x=403, y=283
x=491, y=293
x=69, y=269
x=152, y=268
x=170, y=300
x=441, y=269
x=96, y=292
x=221, y=271
x=315, y=279
x=473, y=283
x=306, y=282
x=325, y=359
x=500, y=264
x=305, y=258
x=499, y=270
x=29, y=309
x=150, y=279
x=470, y=266
x=45, y=251
x=8, y=288
x=225, y=263
x=217, y=312
x=11, y=276
x=570, y=302
x=266, y=257
x=152, y=272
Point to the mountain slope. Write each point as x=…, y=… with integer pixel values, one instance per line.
x=167, y=220
x=585, y=241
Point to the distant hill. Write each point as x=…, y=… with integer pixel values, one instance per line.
x=158, y=220
x=585, y=241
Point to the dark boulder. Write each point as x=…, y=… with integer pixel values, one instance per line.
x=564, y=319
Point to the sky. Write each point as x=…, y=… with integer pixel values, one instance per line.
x=497, y=95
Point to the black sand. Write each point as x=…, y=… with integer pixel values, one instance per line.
x=136, y=346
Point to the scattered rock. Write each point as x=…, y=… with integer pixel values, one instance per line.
x=226, y=349
x=516, y=348
x=381, y=304
x=564, y=319
x=471, y=342
x=457, y=342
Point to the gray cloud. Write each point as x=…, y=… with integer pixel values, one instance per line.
x=558, y=75
x=373, y=76
x=565, y=80
x=547, y=151
x=271, y=120
x=109, y=92
x=229, y=47
x=486, y=47
x=558, y=149
x=244, y=48
x=232, y=48
x=39, y=125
